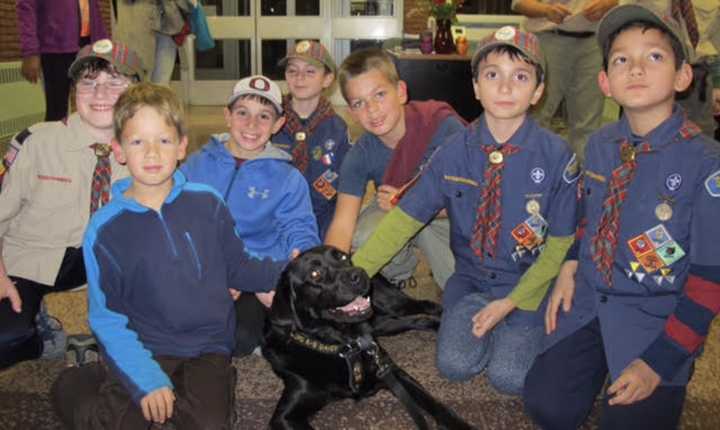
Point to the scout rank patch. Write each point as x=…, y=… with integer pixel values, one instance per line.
x=530, y=234
x=323, y=184
x=654, y=250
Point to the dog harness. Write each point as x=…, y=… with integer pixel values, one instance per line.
x=353, y=354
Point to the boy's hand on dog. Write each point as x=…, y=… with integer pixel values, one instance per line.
x=562, y=294
x=384, y=196
x=637, y=382
x=490, y=315
x=157, y=406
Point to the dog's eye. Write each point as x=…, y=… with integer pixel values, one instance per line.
x=315, y=275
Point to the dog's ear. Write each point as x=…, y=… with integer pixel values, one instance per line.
x=283, y=312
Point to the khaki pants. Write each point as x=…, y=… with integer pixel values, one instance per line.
x=433, y=240
x=571, y=68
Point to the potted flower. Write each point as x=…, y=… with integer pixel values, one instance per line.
x=445, y=14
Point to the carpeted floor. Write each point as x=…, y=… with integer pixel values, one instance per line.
x=24, y=388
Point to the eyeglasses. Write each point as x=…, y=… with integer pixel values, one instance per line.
x=113, y=86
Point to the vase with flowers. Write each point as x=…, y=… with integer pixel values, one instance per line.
x=445, y=14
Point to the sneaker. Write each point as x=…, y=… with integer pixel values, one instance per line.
x=410, y=282
x=81, y=350
x=51, y=333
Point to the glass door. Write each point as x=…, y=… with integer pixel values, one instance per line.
x=252, y=36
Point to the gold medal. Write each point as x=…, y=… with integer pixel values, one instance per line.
x=627, y=153
x=532, y=207
x=300, y=135
x=102, y=150
x=663, y=211
x=496, y=157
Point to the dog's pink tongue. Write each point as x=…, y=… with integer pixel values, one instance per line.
x=360, y=303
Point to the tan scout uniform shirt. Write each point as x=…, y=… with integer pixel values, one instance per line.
x=45, y=198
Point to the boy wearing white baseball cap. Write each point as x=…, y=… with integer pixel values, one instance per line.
x=268, y=198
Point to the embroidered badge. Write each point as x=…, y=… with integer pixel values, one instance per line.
x=329, y=175
x=712, y=184
x=537, y=175
x=324, y=188
x=673, y=182
x=302, y=47
x=654, y=251
x=572, y=170
x=253, y=193
x=505, y=33
x=529, y=235
x=317, y=153
x=328, y=158
x=103, y=46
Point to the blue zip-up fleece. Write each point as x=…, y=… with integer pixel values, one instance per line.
x=158, y=281
x=327, y=146
x=267, y=197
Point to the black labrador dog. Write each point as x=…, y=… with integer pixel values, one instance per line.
x=320, y=340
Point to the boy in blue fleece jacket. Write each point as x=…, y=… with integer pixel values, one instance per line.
x=267, y=196
x=160, y=260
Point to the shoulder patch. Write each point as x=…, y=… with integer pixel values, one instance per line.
x=712, y=184
x=20, y=137
x=572, y=170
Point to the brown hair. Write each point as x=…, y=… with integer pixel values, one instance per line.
x=160, y=98
x=363, y=61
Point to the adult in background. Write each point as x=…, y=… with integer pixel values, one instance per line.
x=51, y=34
x=566, y=29
x=150, y=25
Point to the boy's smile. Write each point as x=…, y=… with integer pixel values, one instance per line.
x=506, y=87
x=251, y=125
x=96, y=97
x=378, y=105
x=151, y=148
x=641, y=73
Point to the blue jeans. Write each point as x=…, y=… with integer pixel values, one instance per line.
x=165, y=54
x=507, y=351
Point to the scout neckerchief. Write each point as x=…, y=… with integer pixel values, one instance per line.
x=604, y=243
x=100, y=191
x=421, y=122
x=488, y=221
x=301, y=132
x=682, y=10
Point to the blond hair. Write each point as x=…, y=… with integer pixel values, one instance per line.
x=160, y=98
x=363, y=61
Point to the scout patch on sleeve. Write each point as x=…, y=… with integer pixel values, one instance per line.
x=712, y=184
x=572, y=170
x=13, y=149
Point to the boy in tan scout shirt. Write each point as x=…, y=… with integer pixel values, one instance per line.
x=54, y=176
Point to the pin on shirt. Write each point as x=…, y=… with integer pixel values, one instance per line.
x=496, y=157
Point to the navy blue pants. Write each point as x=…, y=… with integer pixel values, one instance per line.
x=564, y=382
x=19, y=337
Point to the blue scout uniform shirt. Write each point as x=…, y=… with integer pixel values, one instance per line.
x=369, y=157
x=657, y=249
x=544, y=171
x=327, y=146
